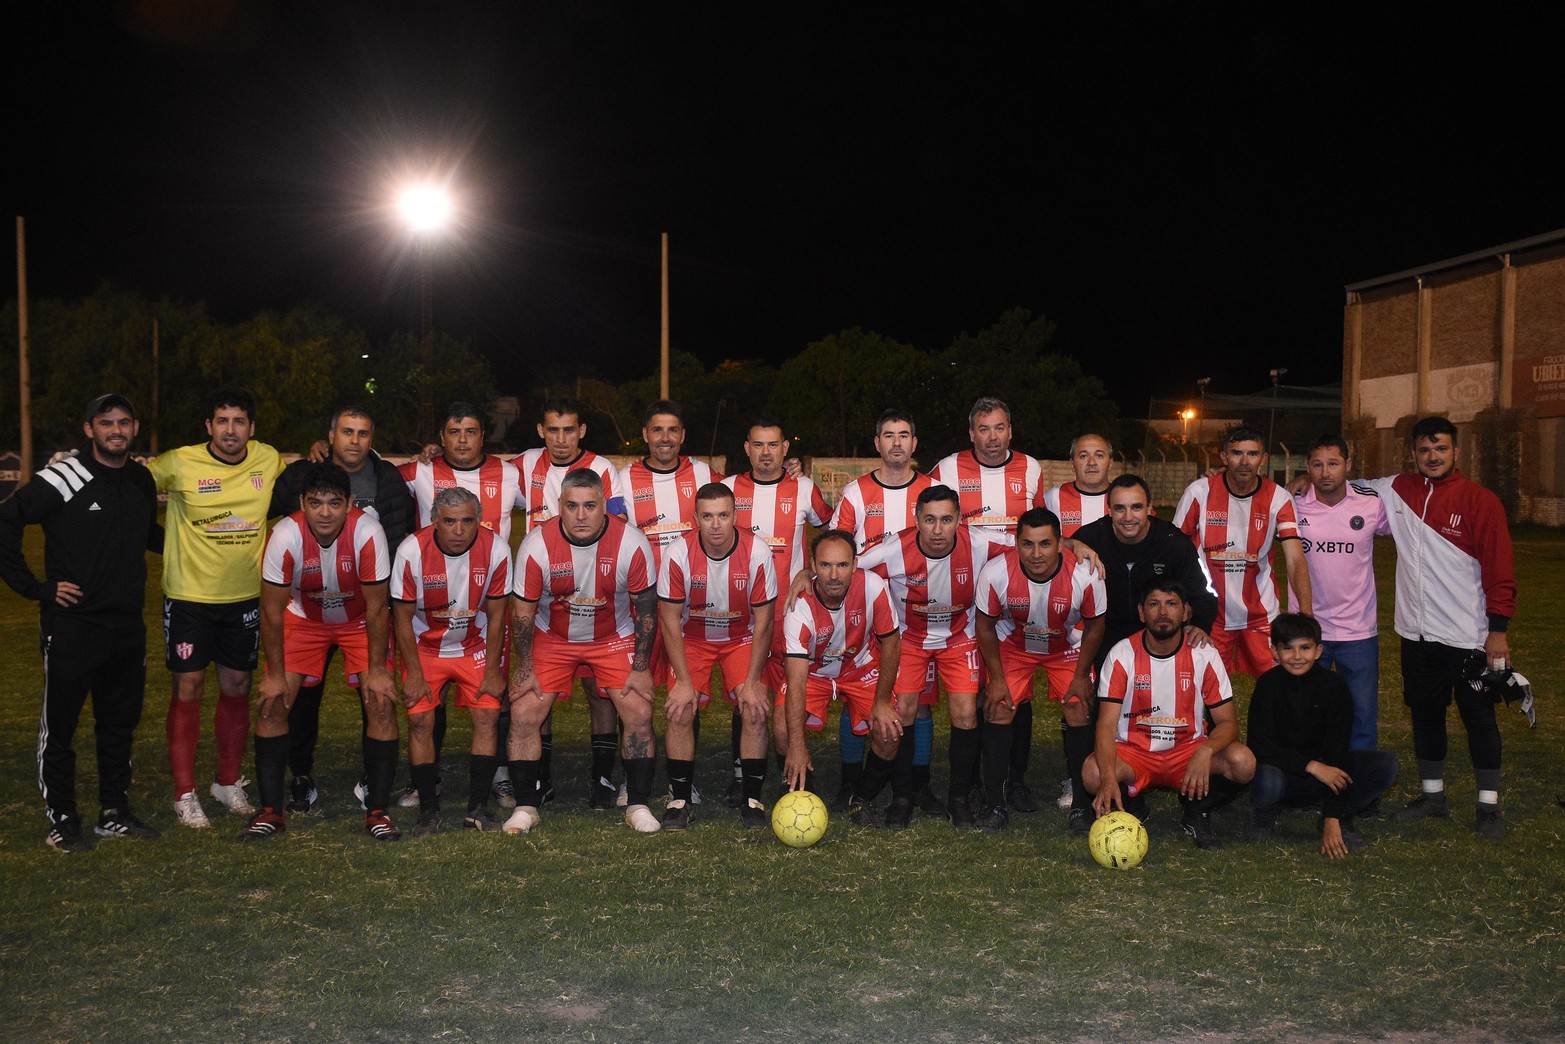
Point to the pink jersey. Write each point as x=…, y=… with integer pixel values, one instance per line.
x=1039, y=619
x=1234, y=535
x=1162, y=699
x=935, y=596
x=992, y=497
x=326, y=583
x=541, y=477
x=662, y=504
x=870, y=510
x=843, y=642
x=777, y=512
x=1075, y=508
x=1339, y=547
x=494, y=482
x=584, y=591
x=718, y=595
x=448, y=592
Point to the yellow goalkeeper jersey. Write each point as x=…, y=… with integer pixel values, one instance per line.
x=216, y=522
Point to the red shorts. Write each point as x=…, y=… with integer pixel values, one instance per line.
x=856, y=693
x=556, y=661
x=307, y=646
x=1249, y=650
x=957, y=669
x=732, y=657
x=465, y=673
x=1020, y=668
x=1156, y=768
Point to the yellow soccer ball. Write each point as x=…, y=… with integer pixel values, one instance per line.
x=799, y=819
x=1118, y=841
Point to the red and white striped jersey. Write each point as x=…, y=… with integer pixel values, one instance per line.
x=718, y=595
x=1075, y=508
x=1040, y=619
x=993, y=498
x=1162, y=699
x=584, y=591
x=843, y=642
x=662, y=504
x=541, y=477
x=777, y=512
x=448, y=591
x=935, y=596
x=326, y=583
x=494, y=481
x=1234, y=535
x=870, y=510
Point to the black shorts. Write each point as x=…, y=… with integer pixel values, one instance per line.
x=198, y=633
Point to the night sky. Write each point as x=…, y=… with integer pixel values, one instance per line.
x=1183, y=188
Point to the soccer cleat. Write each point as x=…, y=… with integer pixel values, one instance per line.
x=233, y=796
x=844, y=799
x=522, y=820
x=735, y=796
x=379, y=826
x=695, y=794
x=1136, y=805
x=1019, y=795
x=753, y=815
x=1199, y=826
x=479, y=819
x=428, y=823
x=928, y=803
x=899, y=813
x=1426, y=806
x=547, y=789
x=1351, y=837
x=1079, y=821
x=961, y=814
x=622, y=798
x=994, y=819
x=409, y=796
x=641, y=818
x=1263, y=827
x=504, y=793
x=678, y=815
x=602, y=794
x=1490, y=823
x=975, y=795
x=864, y=814
x=67, y=836
x=361, y=790
x=191, y=814
x=122, y=822
x=1371, y=811
x=302, y=795
x=1067, y=795
x=263, y=825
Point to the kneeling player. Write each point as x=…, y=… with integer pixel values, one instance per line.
x=325, y=575
x=448, y=597
x=1159, y=691
x=1038, y=606
x=841, y=641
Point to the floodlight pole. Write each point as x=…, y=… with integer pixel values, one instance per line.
x=663, y=385
x=23, y=373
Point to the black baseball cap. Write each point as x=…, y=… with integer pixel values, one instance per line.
x=104, y=403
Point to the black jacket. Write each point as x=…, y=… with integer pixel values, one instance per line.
x=393, y=505
x=1294, y=721
x=1164, y=551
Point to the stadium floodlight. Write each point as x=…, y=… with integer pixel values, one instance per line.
x=426, y=208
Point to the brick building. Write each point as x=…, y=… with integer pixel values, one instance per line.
x=1479, y=339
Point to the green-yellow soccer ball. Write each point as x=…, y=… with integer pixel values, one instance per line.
x=1118, y=841
x=799, y=819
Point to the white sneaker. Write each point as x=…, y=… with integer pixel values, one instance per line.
x=1066, y=796
x=641, y=817
x=233, y=796
x=623, y=798
x=188, y=809
x=409, y=797
x=522, y=820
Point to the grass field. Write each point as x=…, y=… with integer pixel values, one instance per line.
x=586, y=931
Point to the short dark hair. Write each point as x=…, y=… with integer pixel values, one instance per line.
x=987, y=404
x=1288, y=628
x=326, y=477
x=459, y=410
x=1336, y=442
x=564, y=405
x=1038, y=518
x=668, y=406
x=230, y=397
x=714, y=491
x=348, y=411
x=1429, y=427
x=934, y=493
x=834, y=534
x=1166, y=584
x=893, y=415
x=1243, y=433
x=762, y=420
x=1128, y=481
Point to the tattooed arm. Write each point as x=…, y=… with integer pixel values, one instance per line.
x=644, y=607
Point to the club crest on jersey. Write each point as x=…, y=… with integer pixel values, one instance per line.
x=1185, y=682
x=183, y=650
x=686, y=490
x=960, y=575
x=1260, y=524
x=1059, y=607
x=1356, y=522
x=1016, y=488
x=258, y=481
x=479, y=576
x=787, y=507
x=490, y=489
x=856, y=618
x=606, y=566
x=741, y=582
x=344, y=565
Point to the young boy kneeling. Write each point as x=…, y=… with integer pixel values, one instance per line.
x=1301, y=718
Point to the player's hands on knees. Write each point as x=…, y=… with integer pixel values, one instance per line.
x=680, y=704
x=997, y=698
x=377, y=685
x=796, y=767
x=638, y=684
x=885, y=723
x=752, y=694
x=414, y=690
x=493, y=684
x=1197, y=781
x=524, y=683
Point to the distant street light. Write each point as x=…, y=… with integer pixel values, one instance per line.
x=1185, y=415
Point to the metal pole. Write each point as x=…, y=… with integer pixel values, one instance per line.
x=664, y=383
x=154, y=442
x=23, y=374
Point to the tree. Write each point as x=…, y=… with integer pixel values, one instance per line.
x=830, y=393
x=403, y=383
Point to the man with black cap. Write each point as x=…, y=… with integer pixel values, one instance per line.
x=99, y=516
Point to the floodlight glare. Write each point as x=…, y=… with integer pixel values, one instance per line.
x=425, y=207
